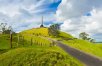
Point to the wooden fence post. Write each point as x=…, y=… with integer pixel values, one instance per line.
x=31, y=41
x=41, y=44
x=10, y=39
x=18, y=41
x=23, y=40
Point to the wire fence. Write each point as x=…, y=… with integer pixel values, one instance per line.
x=29, y=40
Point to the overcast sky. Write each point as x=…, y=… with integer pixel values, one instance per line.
x=75, y=15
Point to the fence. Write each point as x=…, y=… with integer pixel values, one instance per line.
x=29, y=40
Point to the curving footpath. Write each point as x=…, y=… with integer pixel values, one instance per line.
x=87, y=59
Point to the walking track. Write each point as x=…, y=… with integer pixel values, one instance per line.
x=87, y=59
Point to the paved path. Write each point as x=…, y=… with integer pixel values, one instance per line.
x=87, y=59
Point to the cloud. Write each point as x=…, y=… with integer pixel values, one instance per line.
x=80, y=15
x=26, y=14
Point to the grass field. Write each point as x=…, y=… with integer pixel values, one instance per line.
x=44, y=32
x=36, y=31
x=37, y=56
x=37, y=35
x=5, y=41
x=99, y=45
x=85, y=46
x=36, y=40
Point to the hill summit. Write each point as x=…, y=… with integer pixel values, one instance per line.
x=43, y=31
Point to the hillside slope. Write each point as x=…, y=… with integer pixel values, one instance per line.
x=36, y=31
x=29, y=39
x=37, y=57
x=33, y=49
x=82, y=45
x=5, y=41
x=43, y=32
x=85, y=46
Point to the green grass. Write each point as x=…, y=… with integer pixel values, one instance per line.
x=44, y=32
x=84, y=46
x=36, y=39
x=3, y=51
x=4, y=42
x=99, y=45
x=36, y=31
x=39, y=34
x=65, y=35
x=38, y=56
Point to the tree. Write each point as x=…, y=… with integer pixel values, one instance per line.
x=54, y=30
x=5, y=29
x=83, y=36
x=92, y=40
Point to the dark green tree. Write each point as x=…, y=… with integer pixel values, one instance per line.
x=54, y=30
x=92, y=40
x=83, y=35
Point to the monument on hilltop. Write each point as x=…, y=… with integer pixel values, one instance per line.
x=42, y=23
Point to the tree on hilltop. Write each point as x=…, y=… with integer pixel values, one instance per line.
x=54, y=30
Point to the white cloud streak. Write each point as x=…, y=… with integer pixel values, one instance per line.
x=22, y=14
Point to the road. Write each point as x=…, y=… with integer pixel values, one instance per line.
x=87, y=59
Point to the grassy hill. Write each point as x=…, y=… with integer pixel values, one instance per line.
x=37, y=56
x=99, y=45
x=40, y=35
x=85, y=46
x=44, y=32
x=40, y=53
x=5, y=41
x=33, y=47
x=36, y=31
x=82, y=45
